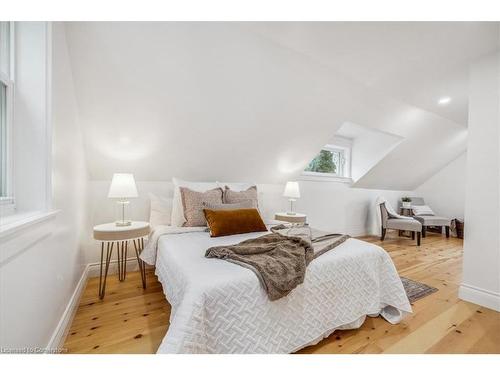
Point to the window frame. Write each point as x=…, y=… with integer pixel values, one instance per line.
x=16, y=214
x=7, y=201
x=343, y=146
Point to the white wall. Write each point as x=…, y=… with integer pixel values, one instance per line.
x=445, y=191
x=369, y=146
x=336, y=207
x=37, y=282
x=369, y=149
x=481, y=266
x=331, y=206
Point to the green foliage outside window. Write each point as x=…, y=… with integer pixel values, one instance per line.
x=323, y=163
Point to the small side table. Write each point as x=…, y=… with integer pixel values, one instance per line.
x=296, y=219
x=406, y=211
x=109, y=234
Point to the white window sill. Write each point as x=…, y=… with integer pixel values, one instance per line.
x=18, y=222
x=6, y=201
x=325, y=178
x=7, y=207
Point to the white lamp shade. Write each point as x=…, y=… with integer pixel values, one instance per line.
x=122, y=186
x=292, y=190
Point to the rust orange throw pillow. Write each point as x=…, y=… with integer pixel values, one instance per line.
x=228, y=222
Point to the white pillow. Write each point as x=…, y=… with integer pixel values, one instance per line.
x=160, y=212
x=422, y=211
x=177, y=218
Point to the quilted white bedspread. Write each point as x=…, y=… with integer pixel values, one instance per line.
x=220, y=307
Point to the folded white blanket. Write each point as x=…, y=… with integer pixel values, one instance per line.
x=422, y=211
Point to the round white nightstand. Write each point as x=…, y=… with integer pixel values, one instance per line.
x=296, y=218
x=110, y=233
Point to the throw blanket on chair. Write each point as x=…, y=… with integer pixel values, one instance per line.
x=279, y=259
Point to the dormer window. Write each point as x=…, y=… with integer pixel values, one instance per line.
x=334, y=160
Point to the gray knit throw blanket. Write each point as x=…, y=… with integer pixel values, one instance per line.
x=279, y=259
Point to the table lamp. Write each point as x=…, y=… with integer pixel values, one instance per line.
x=292, y=193
x=122, y=188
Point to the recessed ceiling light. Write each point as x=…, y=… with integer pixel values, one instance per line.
x=444, y=100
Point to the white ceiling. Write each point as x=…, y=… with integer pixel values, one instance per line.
x=415, y=62
x=222, y=101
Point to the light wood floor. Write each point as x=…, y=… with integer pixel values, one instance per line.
x=133, y=320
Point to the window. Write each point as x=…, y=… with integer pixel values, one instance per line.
x=332, y=161
x=3, y=139
x=6, y=97
x=329, y=161
x=25, y=124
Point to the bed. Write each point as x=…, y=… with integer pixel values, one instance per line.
x=220, y=307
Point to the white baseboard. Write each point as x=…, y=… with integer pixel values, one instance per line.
x=479, y=296
x=56, y=342
x=94, y=268
x=91, y=270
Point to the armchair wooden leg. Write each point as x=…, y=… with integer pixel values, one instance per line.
x=418, y=238
x=382, y=237
x=447, y=229
x=423, y=231
x=412, y=235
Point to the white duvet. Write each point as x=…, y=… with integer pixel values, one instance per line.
x=220, y=307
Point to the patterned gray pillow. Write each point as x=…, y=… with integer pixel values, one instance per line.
x=192, y=203
x=231, y=196
x=248, y=203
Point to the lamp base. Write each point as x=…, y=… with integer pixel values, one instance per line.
x=291, y=212
x=123, y=223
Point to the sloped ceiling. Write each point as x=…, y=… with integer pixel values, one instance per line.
x=415, y=62
x=222, y=101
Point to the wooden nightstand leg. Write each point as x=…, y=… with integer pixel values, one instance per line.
x=142, y=266
x=102, y=282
